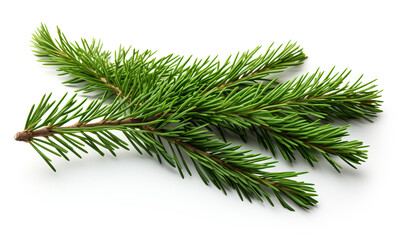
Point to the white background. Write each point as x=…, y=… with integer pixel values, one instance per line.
x=132, y=196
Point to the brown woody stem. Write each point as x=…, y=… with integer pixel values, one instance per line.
x=117, y=90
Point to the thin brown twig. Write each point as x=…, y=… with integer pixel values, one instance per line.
x=117, y=90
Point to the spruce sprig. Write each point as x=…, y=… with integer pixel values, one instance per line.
x=284, y=115
x=178, y=100
x=87, y=63
x=215, y=161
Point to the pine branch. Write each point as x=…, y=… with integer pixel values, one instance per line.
x=324, y=96
x=291, y=55
x=294, y=133
x=247, y=109
x=89, y=64
x=221, y=164
x=311, y=96
x=174, y=101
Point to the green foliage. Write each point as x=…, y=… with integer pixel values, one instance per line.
x=136, y=72
x=282, y=116
x=168, y=107
x=215, y=161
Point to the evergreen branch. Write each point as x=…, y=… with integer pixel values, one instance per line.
x=272, y=117
x=78, y=61
x=177, y=100
x=323, y=96
x=221, y=163
x=270, y=62
x=294, y=133
x=89, y=64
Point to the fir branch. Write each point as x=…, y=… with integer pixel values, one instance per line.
x=222, y=164
x=294, y=133
x=176, y=99
x=89, y=64
x=324, y=96
x=275, y=117
x=266, y=64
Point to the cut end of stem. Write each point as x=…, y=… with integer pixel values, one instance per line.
x=24, y=136
x=27, y=136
